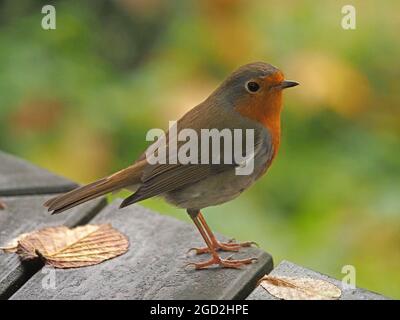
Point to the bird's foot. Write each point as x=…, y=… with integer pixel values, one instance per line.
x=223, y=263
x=224, y=246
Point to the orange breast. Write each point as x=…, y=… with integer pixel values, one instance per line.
x=268, y=113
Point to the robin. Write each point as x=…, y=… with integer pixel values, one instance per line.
x=250, y=98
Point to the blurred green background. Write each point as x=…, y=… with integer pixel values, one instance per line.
x=79, y=100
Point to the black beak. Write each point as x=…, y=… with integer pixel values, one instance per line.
x=288, y=84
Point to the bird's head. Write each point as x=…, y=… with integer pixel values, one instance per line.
x=255, y=90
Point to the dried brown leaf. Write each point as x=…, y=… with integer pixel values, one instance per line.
x=2, y=205
x=62, y=247
x=288, y=288
x=12, y=246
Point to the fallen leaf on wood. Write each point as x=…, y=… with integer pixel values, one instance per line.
x=2, y=205
x=12, y=247
x=62, y=247
x=288, y=288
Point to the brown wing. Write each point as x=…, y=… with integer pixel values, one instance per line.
x=173, y=177
x=161, y=178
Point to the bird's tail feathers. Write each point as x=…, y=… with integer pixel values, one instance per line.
x=119, y=180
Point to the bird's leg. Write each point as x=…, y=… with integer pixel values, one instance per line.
x=2, y=205
x=224, y=246
x=215, y=259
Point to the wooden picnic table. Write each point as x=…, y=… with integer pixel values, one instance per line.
x=153, y=267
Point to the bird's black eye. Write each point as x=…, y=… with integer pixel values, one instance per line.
x=252, y=86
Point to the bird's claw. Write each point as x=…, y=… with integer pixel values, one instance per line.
x=223, y=263
x=224, y=246
x=199, y=250
x=230, y=258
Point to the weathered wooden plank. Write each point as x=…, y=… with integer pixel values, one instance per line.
x=18, y=177
x=26, y=213
x=154, y=266
x=289, y=269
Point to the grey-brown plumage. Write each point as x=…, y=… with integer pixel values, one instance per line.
x=233, y=105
